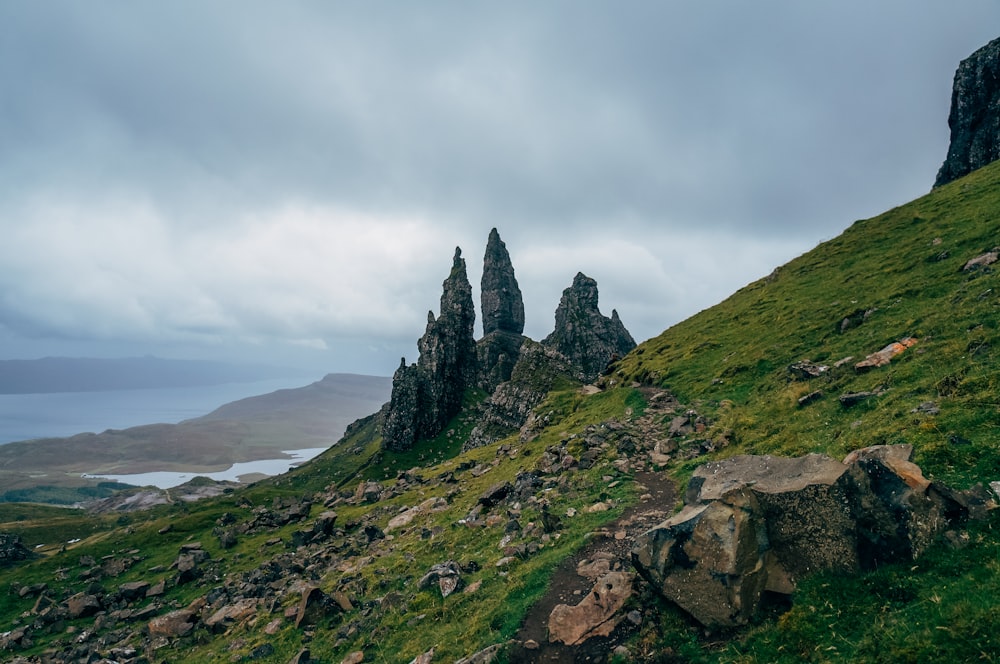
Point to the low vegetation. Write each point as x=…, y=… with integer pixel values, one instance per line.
x=898, y=276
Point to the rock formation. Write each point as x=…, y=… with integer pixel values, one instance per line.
x=427, y=394
x=536, y=372
x=975, y=115
x=589, y=339
x=503, y=316
x=760, y=523
x=503, y=308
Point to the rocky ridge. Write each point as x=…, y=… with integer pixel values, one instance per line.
x=427, y=394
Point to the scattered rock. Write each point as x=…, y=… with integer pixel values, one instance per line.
x=884, y=356
x=447, y=576
x=989, y=258
x=809, y=398
x=13, y=551
x=806, y=369
x=853, y=398
x=173, y=624
x=596, y=615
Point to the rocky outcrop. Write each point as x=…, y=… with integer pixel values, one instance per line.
x=13, y=551
x=975, y=115
x=427, y=394
x=503, y=316
x=507, y=410
x=589, y=339
x=760, y=523
x=502, y=306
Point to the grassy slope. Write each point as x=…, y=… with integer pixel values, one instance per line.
x=728, y=362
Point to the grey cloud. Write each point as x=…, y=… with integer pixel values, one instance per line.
x=750, y=129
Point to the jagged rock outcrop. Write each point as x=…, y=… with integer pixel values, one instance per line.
x=589, y=339
x=503, y=307
x=503, y=316
x=760, y=523
x=975, y=115
x=536, y=372
x=427, y=394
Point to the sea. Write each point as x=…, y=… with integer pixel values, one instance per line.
x=61, y=414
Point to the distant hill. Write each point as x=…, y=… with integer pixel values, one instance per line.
x=79, y=374
x=250, y=429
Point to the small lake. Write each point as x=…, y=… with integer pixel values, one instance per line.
x=61, y=414
x=166, y=480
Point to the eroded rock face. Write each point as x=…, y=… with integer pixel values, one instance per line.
x=511, y=403
x=756, y=523
x=502, y=305
x=589, y=339
x=975, y=115
x=429, y=393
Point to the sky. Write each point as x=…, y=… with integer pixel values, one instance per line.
x=287, y=182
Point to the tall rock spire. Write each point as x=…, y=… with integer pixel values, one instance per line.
x=589, y=339
x=426, y=395
x=502, y=306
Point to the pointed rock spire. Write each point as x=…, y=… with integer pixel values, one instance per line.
x=589, y=339
x=427, y=394
x=502, y=305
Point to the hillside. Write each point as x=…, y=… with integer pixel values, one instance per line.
x=396, y=555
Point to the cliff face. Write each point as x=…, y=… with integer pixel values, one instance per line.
x=975, y=115
x=589, y=339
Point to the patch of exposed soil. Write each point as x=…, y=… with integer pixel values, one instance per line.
x=568, y=587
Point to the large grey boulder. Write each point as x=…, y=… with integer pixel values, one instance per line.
x=756, y=523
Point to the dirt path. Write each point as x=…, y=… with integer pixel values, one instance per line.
x=568, y=587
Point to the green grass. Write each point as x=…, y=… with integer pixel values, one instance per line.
x=730, y=364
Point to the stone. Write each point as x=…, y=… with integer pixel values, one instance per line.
x=447, y=576
x=597, y=614
x=133, y=590
x=82, y=605
x=587, y=338
x=425, y=658
x=806, y=369
x=232, y=614
x=173, y=624
x=884, y=356
x=495, y=495
x=974, y=119
x=314, y=607
x=983, y=260
x=485, y=656
x=853, y=398
x=355, y=657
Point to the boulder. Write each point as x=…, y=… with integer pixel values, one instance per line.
x=447, y=576
x=314, y=607
x=173, y=624
x=82, y=605
x=756, y=523
x=596, y=615
x=232, y=614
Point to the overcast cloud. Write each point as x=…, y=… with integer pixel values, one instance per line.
x=288, y=181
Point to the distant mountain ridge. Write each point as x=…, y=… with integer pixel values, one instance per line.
x=79, y=374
